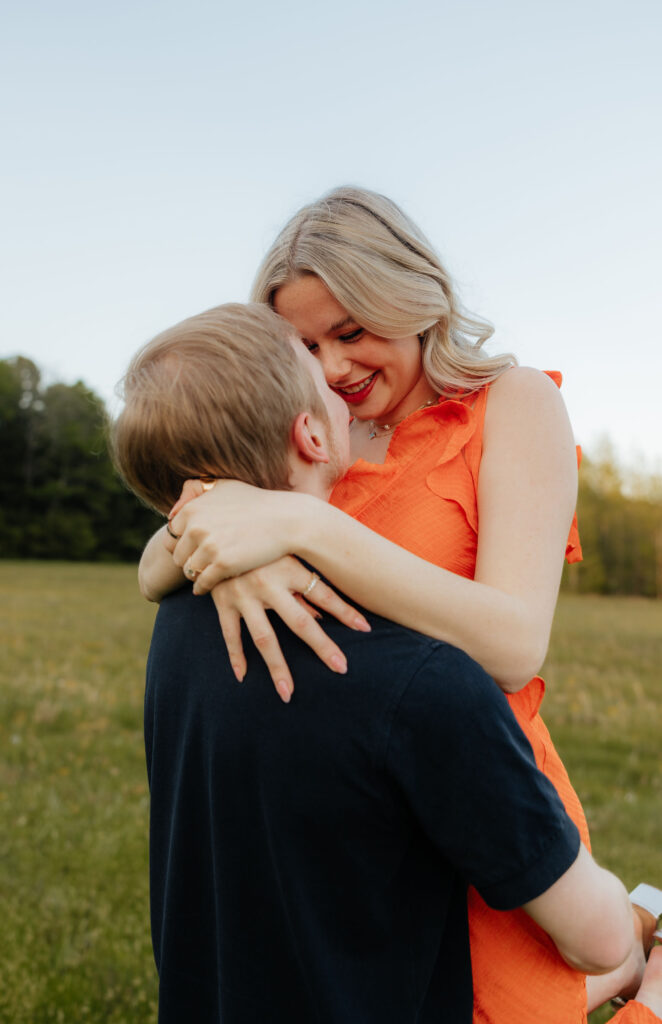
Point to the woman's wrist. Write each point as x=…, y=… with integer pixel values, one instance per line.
x=306, y=525
x=157, y=573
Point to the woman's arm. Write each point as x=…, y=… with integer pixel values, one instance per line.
x=157, y=573
x=526, y=498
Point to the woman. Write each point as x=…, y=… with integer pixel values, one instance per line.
x=446, y=439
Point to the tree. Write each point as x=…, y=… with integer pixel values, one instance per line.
x=60, y=497
x=620, y=522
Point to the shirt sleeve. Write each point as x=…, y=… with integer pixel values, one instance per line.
x=467, y=773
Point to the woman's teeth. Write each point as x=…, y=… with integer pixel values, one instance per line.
x=353, y=389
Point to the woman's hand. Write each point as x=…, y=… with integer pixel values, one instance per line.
x=290, y=589
x=191, y=489
x=233, y=528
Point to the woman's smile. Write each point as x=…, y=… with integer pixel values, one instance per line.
x=353, y=393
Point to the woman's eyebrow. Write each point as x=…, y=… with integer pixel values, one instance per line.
x=342, y=323
x=347, y=321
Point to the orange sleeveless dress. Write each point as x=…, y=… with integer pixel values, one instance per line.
x=424, y=498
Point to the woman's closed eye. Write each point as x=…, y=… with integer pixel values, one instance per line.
x=351, y=336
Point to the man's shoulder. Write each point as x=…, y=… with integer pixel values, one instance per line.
x=179, y=602
x=416, y=676
x=186, y=622
x=395, y=664
x=389, y=646
x=182, y=605
x=446, y=681
x=429, y=656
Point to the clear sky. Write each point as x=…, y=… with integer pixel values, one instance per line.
x=152, y=151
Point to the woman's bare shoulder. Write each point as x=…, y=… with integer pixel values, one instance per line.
x=524, y=391
x=523, y=380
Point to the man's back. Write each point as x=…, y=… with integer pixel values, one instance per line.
x=309, y=861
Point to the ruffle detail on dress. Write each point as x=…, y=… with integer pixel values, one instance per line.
x=635, y=1013
x=526, y=702
x=461, y=422
x=360, y=485
x=364, y=481
x=573, y=550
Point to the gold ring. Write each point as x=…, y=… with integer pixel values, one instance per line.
x=314, y=581
x=191, y=573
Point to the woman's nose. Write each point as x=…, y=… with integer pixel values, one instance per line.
x=335, y=362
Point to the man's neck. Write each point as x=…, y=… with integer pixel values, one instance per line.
x=311, y=478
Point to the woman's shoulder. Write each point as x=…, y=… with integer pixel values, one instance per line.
x=523, y=391
x=525, y=410
x=525, y=380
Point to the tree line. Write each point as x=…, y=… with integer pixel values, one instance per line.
x=620, y=525
x=60, y=497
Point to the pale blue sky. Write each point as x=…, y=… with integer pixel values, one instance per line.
x=152, y=151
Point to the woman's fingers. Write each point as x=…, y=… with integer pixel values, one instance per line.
x=294, y=613
x=169, y=538
x=210, y=576
x=198, y=563
x=295, y=594
x=327, y=599
x=264, y=638
x=300, y=620
x=309, y=607
x=191, y=489
x=230, y=621
x=184, y=547
x=219, y=529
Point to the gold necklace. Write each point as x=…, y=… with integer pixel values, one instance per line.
x=388, y=428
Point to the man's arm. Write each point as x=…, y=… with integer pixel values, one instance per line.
x=469, y=775
x=588, y=915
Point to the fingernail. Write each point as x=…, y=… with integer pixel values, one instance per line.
x=362, y=624
x=239, y=675
x=284, y=691
x=339, y=663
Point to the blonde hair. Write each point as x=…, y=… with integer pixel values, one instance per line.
x=380, y=267
x=215, y=396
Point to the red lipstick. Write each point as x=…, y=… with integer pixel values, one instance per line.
x=353, y=397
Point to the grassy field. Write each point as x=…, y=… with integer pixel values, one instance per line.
x=73, y=796
x=73, y=792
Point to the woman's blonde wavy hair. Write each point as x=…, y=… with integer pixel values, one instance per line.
x=383, y=271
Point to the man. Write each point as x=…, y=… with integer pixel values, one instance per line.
x=310, y=862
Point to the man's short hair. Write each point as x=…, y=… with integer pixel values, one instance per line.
x=214, y=396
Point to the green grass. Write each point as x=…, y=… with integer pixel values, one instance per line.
x=73, y=796
x=603, y=707
x=73, y=791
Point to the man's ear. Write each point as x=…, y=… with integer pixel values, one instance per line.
x=309, y=439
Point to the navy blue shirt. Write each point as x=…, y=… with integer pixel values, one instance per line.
x=309, y=862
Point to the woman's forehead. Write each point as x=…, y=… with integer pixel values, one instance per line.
x=308, y=304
